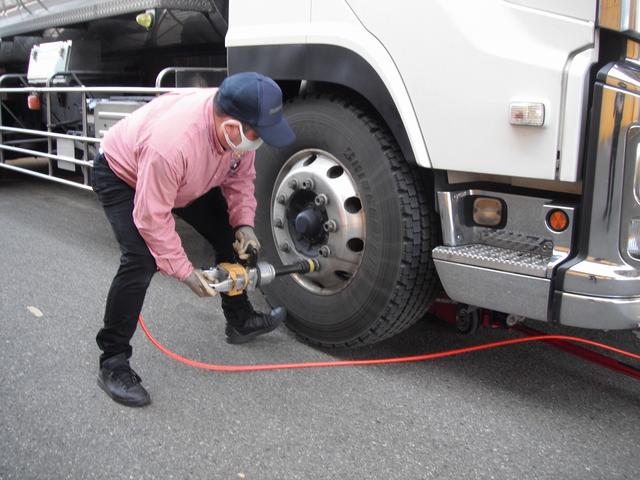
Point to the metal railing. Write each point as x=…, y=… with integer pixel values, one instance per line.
x=51, y=154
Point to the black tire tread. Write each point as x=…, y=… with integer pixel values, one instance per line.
x=417, y=283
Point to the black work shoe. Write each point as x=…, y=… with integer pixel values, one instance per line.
x=256, y=324
x=121, y=383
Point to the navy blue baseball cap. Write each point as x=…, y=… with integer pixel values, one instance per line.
x=256, y=100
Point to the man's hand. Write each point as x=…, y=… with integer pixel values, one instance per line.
x=199, y=284
x=245, y=237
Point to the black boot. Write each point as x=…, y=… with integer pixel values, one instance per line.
x=257, y=324
x=121, y=383
x=244, y=323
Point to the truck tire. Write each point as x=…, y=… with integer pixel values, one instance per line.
x=343, y=192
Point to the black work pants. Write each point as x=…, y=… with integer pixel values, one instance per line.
x=208, y=215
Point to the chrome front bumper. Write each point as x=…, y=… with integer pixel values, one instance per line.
x=600, y=312
x=600, y=287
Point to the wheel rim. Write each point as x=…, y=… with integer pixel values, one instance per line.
x=316, y=211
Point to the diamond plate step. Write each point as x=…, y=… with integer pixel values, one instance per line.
x=497, y=258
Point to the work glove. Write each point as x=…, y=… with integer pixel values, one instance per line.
x=199, y=284
x=245, y=238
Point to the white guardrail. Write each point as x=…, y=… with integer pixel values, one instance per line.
x=51, y=154
x=21, y=135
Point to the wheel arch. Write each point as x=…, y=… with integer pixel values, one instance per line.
x=325, y=65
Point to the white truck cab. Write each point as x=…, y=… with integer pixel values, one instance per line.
x=484, y=149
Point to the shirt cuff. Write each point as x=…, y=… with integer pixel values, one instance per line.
x=183, y=274
x=245, y=218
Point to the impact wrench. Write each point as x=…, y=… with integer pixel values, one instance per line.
x=234, y=278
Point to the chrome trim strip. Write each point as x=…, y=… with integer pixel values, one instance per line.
x=630, y=202
x=636, y=176
x=496, y=290
x=598, y=312
x=633, y=52
x=619, y=15
x=627, y=80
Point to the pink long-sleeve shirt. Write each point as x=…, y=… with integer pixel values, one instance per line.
x=169, y=153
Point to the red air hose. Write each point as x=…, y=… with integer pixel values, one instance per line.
x=379, y=361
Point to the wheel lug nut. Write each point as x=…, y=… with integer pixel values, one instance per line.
x=278, y=223
x=285, y=247
x=307, y=184
x=282, y=199
x=330, y=226
x=293, y=184
x=325, y=251
x=321, y=200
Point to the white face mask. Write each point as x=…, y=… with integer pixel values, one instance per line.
x=245, y=144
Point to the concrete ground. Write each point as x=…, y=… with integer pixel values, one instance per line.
x=527, y=412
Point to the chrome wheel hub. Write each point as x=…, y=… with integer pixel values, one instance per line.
x=316, y=211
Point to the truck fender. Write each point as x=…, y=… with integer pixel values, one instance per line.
x=342, y=66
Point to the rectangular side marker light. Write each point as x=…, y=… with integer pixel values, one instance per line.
x=527, y=113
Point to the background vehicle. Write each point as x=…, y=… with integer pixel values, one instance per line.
x=485, y=147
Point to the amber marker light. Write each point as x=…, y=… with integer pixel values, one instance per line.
x=558, y=221
x=487, y=211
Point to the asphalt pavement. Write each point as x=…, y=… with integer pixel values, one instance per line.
x=526, y=412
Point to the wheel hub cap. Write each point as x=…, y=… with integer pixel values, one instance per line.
x=308, y=223
x=316, y=211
